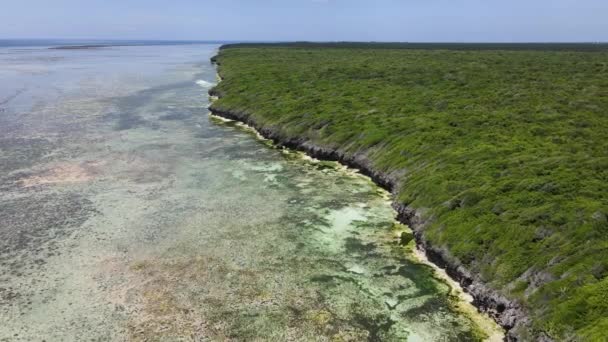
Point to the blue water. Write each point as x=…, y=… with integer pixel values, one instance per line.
x=79, y=42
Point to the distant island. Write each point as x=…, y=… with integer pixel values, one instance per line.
x=79, y=47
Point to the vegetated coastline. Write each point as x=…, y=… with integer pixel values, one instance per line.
x=501, y=152
x=509, y=314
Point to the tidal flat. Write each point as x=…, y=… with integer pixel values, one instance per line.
x=128, y=213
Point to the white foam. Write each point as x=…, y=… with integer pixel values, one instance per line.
x=205, y=84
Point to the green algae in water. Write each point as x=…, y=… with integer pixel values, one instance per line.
x=194, y=229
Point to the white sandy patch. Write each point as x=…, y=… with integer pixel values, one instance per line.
x=495, y=332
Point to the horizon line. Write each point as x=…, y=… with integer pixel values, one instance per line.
x=302, y=41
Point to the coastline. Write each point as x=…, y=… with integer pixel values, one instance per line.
x=506, y=313
x=465, y=302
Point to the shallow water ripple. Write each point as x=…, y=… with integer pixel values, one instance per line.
x=128, y=213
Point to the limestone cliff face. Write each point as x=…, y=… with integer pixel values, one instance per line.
x=507, y=313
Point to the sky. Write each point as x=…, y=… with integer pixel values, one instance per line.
x=313, y=20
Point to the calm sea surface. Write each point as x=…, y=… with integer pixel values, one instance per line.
x=128, y=213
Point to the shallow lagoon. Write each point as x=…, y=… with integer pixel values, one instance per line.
x=128, y=213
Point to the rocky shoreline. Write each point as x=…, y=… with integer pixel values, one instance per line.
x=507, y=313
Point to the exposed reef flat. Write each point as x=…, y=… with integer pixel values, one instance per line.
x=128, y=213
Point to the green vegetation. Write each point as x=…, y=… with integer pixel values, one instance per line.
x=504, y=151
x=434, y=46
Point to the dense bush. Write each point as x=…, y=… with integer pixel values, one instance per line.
x=505, y=151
